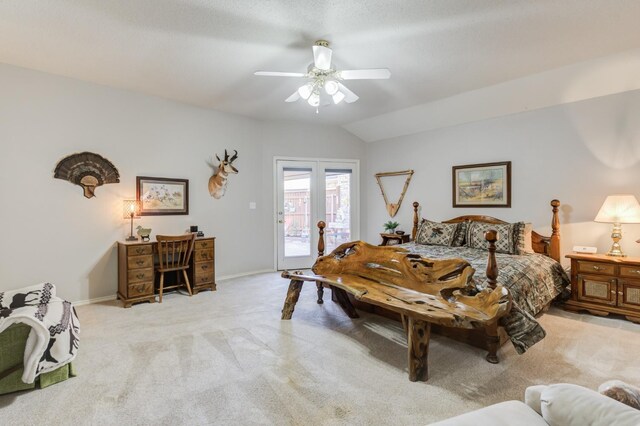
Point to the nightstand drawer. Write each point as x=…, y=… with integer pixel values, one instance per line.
x=597, y=289
x=596, y=268
x=629, y=294
x=630, y=271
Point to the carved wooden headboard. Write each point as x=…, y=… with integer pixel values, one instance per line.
x=549, y=246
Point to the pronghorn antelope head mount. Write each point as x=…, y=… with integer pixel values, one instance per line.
x=218, y=182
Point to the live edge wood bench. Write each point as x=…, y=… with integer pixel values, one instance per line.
x=423, y=291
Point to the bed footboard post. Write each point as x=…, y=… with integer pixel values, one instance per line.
x=415, y=220
x=493, y=339
x=492, y=267
x=554, y=244
x=319, y=286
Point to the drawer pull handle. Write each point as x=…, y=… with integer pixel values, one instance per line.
x=140, y=288
x=634, y=271
x=596, y=268
x=204, y=267
x=141, y=276
x=204, y=244
x=139, y=262
x=621, y=293
x=139, y=251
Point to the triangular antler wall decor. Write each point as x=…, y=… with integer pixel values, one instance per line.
x=392, y=208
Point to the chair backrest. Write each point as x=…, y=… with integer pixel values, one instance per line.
x=175, y=251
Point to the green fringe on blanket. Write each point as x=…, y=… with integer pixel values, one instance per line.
x=12, y=342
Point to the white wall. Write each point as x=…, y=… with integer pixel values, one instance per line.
x=579, y=153
x=52, y=233
x=593, y=78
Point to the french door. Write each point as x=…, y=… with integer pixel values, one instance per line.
x=308, y=191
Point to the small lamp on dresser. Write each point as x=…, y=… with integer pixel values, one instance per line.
x=130, y=210
x=618, y=209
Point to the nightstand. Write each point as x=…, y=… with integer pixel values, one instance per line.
x=604, y=284
x=393, y=239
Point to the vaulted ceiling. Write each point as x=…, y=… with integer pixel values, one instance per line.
x=204, y=52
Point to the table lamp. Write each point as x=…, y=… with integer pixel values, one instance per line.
x=130, y=210
x=618, y=209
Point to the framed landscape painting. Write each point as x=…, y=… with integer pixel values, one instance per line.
x=482, y=185
x=162, y=196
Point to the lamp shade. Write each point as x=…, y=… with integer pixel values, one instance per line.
x=130, y=206
x=619, y=209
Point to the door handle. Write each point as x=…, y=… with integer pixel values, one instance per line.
x=280, y=221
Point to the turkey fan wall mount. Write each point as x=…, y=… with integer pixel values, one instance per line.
x=325, y=82
x=87, y=169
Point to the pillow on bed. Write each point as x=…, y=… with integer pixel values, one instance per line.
x=528, y=245
x=461, y=234
x=436, y=233
x=510, y=236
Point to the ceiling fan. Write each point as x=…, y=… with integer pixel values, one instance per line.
x=324, y=83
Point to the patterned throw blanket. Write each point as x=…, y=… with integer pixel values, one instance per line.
x=54, y=336
x=534, y=280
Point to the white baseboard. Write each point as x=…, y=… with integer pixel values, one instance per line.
x=95, y=300
x=223, y=278
x=244, y=274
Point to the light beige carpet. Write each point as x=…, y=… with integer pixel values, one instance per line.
x=226, y=358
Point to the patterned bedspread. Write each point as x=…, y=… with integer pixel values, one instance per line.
x=533, y=280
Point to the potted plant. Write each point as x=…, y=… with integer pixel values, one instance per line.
x=390, y=227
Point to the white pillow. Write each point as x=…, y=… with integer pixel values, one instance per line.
x=528, y=246
x=572, y=405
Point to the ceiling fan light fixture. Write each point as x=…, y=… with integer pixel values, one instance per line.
x=331, y=87
x=305, y=90
x=314, y=99
x=338, y=97
x=325, y=81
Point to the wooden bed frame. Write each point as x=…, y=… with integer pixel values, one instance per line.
x=489, y=338
x=549, y=246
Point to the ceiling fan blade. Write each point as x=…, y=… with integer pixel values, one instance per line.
x=280, y=74
x=322, y=57
x=293, y=97
x=349, y=96
x=370, y=74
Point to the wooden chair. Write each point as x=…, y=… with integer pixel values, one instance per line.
x=174, y=253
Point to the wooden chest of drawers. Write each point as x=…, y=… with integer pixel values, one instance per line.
x=603, y=284
x=135, y=273
x=202, y=273
x=137, y=277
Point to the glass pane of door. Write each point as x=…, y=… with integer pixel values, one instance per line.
x=308, y=191
x=338, y=188
x=297, y=212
